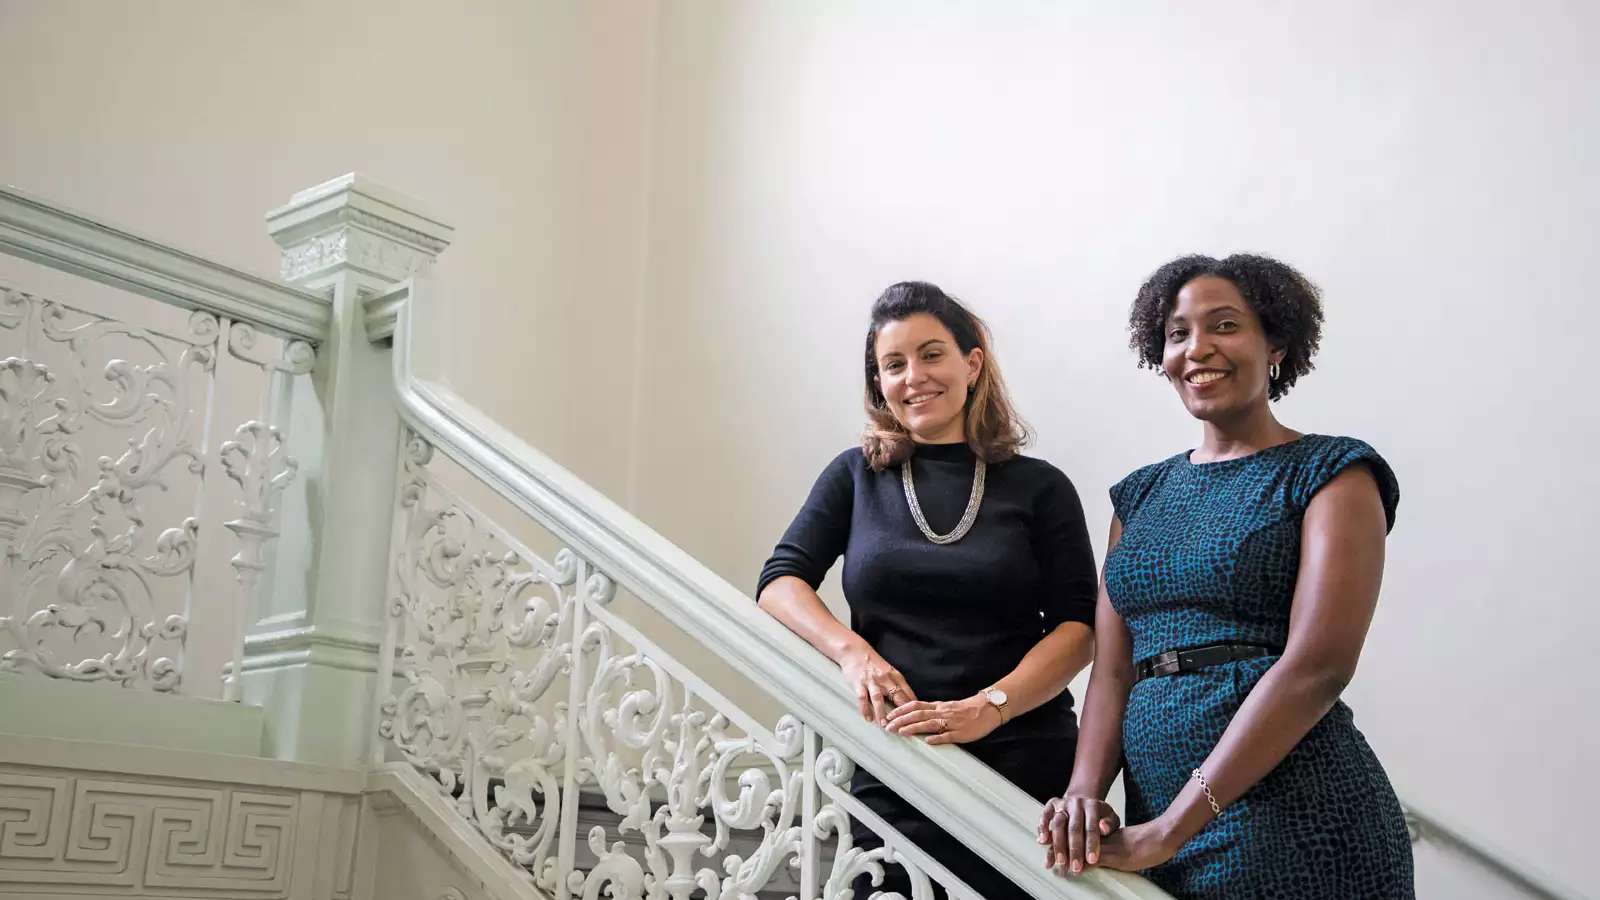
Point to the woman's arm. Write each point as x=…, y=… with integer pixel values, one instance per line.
x=787, y=591
x=1341, y=568
x=1099, y=755
x=1073, y=824
x=791, y=601
x=1059, y=540
x=1044, y=672
x=1047, y=669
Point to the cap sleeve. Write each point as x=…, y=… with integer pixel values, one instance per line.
x=1129, y=493
x=1339, y=454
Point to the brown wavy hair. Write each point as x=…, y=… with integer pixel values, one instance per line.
x=994, y=431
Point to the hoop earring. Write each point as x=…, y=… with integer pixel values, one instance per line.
x=1272, y=372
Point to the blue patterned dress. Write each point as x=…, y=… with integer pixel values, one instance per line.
x=1209, y=554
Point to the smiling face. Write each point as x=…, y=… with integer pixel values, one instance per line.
x=925, y=377
x=1217, y=355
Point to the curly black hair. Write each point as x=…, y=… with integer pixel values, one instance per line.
x=1288, y=304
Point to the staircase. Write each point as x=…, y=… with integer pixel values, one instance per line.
x=221, y=675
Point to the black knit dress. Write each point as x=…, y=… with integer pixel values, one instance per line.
x=954, y=618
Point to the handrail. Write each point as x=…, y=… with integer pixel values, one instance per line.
x=45, y=232
x=989, y=814
x=1426, y=828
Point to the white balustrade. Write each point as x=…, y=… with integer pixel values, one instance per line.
x=556, y=727
x=113, y=431
x=522, y=690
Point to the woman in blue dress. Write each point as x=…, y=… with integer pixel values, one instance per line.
x=1239, y=583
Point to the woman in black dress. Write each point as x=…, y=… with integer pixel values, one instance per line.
x=968, y=570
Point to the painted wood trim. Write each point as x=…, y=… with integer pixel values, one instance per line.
x=189, y=765
x=48, y=234
x=382, y=310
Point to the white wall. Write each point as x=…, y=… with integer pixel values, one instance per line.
x=1430, y=164
x=753, y=173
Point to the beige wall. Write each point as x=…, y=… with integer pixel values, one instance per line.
x=1430, y=164
x=522, y=123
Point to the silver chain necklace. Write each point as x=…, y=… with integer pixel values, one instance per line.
x=967, y=518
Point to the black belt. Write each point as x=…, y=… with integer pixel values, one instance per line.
x=1174, y=661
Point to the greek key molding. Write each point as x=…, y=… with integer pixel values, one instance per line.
x=120, y=834
x=104, y=833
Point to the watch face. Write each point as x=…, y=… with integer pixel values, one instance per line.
x=997, y=697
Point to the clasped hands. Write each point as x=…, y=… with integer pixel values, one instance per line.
x=1081, y=832
x=885, y=698
x=1078, y=832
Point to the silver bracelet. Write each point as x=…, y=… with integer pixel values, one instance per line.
x=1211, y=798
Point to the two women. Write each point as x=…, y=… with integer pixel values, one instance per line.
x=1239, y=583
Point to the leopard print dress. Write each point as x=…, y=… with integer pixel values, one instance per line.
x=1209, y=554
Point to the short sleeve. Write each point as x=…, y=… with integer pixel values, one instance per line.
x=820, y=530
x=1127, y=494
x=1061, y=543
x=1339, y=454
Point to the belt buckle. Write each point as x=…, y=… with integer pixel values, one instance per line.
x=1165, y=663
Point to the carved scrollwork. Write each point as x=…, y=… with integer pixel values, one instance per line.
x=312, y=255
x=395, y=254
x=833, y=767
x=484, y=637
x=15, y=305
x=418, y=451
x=95, y=583
x=257, y=462
x=599, y=589
x=667, y=763
x=247, y=344
x=699, y=800
x=850, y=863
x=203, y=326
x=23, y=434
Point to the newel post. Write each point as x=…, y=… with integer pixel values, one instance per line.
x=311, y=651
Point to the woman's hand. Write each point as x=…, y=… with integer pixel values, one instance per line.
x=879, y=686
x=1073, y=827
x=946, y=721
x=1138, y=847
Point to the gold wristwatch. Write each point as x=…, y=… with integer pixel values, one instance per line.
x=998, y=699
